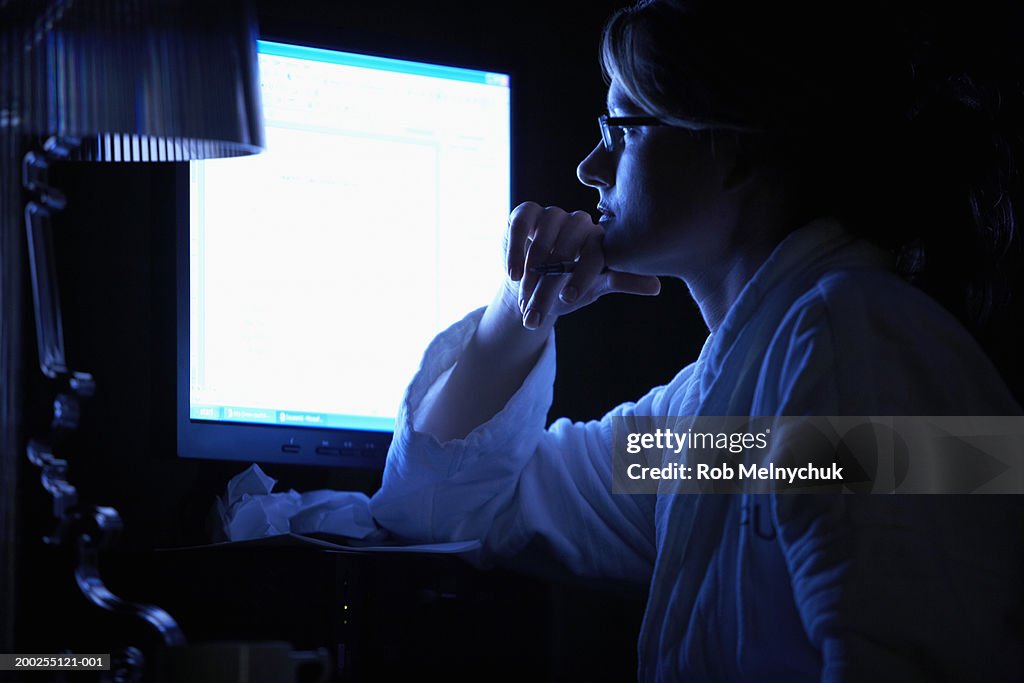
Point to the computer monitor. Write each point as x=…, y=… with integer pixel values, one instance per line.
x=312, y=277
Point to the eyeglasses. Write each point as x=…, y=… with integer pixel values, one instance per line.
x=611, y=128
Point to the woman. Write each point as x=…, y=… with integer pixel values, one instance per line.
x=788, y=176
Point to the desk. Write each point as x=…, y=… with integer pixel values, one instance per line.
x=382, y=616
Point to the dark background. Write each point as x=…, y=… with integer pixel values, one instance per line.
x=115, y=248
x=115, y=245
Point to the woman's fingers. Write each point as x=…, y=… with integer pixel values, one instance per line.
x=548, y=231
x=584, y=279
x=521, y=224
x=540, y=291
x=539, y=236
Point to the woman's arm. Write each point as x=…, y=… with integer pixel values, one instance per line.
x=518, y=321
x=895, y=587
x=528, y=493
x=471, y=457
x=491, y=367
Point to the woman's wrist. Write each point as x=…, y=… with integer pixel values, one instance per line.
x=501, y=329
x=493, y=365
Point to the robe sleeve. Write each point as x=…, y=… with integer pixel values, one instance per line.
x=511, y=482
x=895, y=587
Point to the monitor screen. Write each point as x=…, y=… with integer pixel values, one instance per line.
x=318, y=272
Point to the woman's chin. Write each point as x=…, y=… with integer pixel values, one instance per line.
x=632, y=260
x=614, y=260
x=616, y=249
x=622, y=254
x=626, y=263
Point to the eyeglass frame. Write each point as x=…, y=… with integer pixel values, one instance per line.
x=611, y=141
x=607, y=123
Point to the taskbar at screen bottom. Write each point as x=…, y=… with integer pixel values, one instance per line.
x=290, y=418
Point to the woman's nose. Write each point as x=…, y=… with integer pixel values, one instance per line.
x=597, y=169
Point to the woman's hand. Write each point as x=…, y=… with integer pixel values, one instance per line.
x=538, y=236
x=501, y=353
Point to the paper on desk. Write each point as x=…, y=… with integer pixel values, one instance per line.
x=250, y=510
x=251, y=514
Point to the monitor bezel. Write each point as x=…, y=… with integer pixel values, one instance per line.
x=277, y=444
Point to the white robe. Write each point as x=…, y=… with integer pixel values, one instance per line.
x=745, y=587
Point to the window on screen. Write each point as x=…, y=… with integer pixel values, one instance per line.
x=320, y=270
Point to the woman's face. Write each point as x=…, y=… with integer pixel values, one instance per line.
x=664, y=209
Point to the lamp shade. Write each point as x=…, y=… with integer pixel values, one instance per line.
x=140, y=80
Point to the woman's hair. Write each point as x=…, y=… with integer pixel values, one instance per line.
x=904, y=124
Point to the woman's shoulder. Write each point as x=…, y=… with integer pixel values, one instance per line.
x=877, y=309
x=879, y=345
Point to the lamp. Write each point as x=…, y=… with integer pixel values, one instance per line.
x=98, y=80
x=138, y=80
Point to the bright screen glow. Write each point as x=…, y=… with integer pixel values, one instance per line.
x=320, y=270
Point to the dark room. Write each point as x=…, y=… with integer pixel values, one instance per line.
x=670, y=340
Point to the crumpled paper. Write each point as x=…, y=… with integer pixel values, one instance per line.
x=250, y=510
